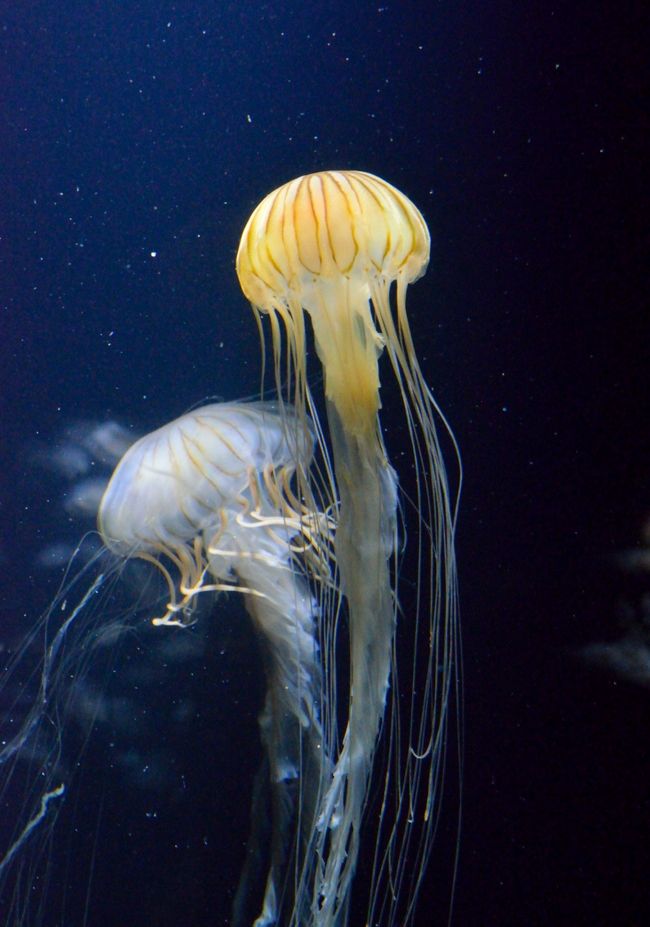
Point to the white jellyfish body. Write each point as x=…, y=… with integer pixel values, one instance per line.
x=211, y=492
x=208, y=499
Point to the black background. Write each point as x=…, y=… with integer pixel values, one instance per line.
x=520, y=130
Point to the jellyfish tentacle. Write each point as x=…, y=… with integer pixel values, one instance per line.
x=365, y=541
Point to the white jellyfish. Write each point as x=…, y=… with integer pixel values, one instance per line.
x=209, y=500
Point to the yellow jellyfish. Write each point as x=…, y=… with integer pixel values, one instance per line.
x=342, y=247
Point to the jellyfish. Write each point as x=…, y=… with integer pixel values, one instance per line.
x=211, y=494
x=304, y=516
x=209, y=501
x=342, y=247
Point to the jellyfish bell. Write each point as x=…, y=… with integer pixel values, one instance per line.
x=332, y=243
x=342, y=247
x=195, y=490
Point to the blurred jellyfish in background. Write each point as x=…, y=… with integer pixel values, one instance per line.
x=341, y=248
x=628, y=654
x=82, y=458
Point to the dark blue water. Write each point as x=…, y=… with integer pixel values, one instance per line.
x=135, y=140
